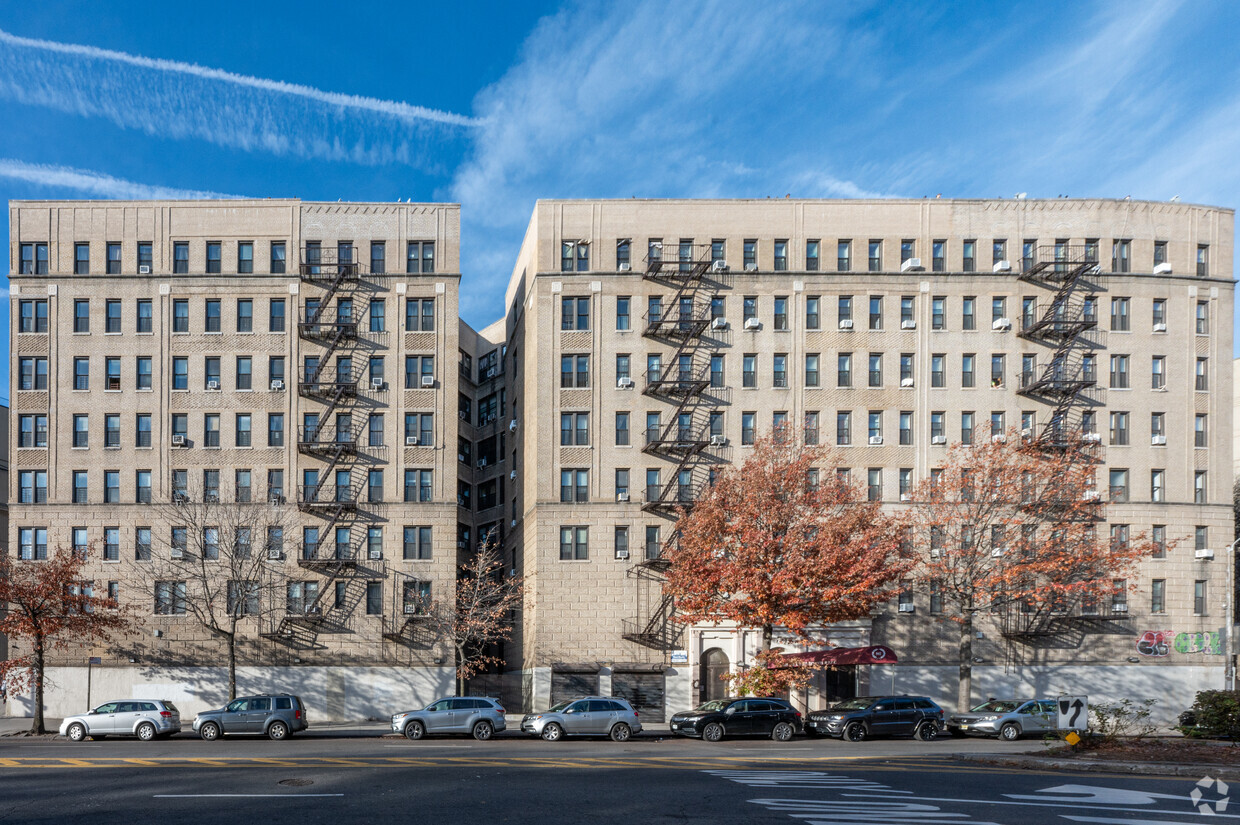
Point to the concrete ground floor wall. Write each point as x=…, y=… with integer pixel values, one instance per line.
x=331, y=694
x=1172, y=686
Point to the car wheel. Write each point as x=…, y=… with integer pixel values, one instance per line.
x=483, y=730
x=76, y=732
x=146, y=731
x=552, y=732
x=928, y=732
x=712, y=732
x=1009, y=732
x=414, y=730
x=782, y=732
x=277, y=731
x=209, y=731
x=855, y=732
x=621, y=733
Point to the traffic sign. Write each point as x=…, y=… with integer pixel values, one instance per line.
x=1073, y=712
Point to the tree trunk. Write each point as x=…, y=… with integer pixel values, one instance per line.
x=37, y=726
x=767, y=633
x=964, y=692
x=232, y=666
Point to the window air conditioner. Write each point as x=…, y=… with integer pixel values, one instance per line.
x=719, y=323
x=512, y=426
x=907, y=608
x=1160, y=327
x=625, y=267
x=144, y=270
x=622, y=496
x=1203, y=554
x=377, y=383
x=1162, y=269
x=999, y=438
x=491, y=372
x=906, y=382
x=719, y=266
x=1158, y=440
x=213, y=385
x=428, y=380
x=482, y=462
x=1091, y=495
x=277, y=385
x=751, y=267
x=1027, y=432
x=1092, y=438
x=1001, y=324
x=846, y=323
x=753, y=323
x=938, y=439
x=1003, y=266
x=461, y=414
x=411, y=441
x=178, y=440
x=876, y=440
x=908, y=325
x=912, y=265
x=905, y=497
x=178, y=553
x=1122, y=607
x=996, y=553
x=718, y=441
x=624, y=384
x=622, y=554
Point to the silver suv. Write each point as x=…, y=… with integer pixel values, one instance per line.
x=1008, y=719
x=278, y=715
x=478, y=716
x=142, y=718
x=588, y=716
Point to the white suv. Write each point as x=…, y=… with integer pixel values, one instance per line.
x=142, y=718
x=588, y=716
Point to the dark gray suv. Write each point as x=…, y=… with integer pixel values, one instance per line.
x=867, y=716
x=277, y=715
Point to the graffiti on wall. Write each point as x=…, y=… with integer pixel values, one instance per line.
x=1162, y=642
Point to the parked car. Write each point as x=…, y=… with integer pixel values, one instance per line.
x=277, y=715
x=143, y=718
x=868, y=716
x=476, y=715
x=588, y=716
x=748, y=716
x=1006, y=718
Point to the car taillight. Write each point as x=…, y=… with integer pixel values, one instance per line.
x=798, y=713
x=635, y=713
x=297, y=714
x=167, y=714
x=501, y=710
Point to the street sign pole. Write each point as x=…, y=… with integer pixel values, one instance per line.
x=1073, y=715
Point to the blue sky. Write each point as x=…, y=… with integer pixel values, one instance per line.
x=494, y=104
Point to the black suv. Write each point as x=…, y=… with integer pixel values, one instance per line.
x=859, y=719
x=748, y=716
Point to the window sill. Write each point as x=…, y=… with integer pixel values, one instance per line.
x=146, y=332
x=144, y=389
x=113, y=333
x=81, y=333
x=33, y=448
x=79, y=448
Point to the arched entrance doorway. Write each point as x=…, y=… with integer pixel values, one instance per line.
x=714, y=665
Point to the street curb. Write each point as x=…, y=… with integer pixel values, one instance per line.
x=1197, y=770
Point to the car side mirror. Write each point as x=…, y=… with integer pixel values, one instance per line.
x=730, y=711
x=570, y=710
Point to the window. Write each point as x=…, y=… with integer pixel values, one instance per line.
x=81, y=430
x=1200, y=435
x=997, y=369
x=33, y=316
x=1156, y=485
x=32, y=431
x=1120, y=253
x=243, y=429
x=1158, y=372
x=967, y=370
x=111, y=487
x=575, y=313
x=781, y=255
x=936, y=597
x=574, y=543
x=1029, y=254
x=623, y=254
x=211, y=373
x=748, y=420
x=622, y=483
x=1119, y=372
x=936, y=426
x=81, y=259
x=875, y=426
x=1158, y=596
x=418, y=368
x=843, y=370
x=779, y=370
x=843, y=428
x=32, y=486
x=876, y=312
x=418, y=425
x=33, y=259
x=1199, y=487
x=1119, y=428
x=574, y=371
x=844, y=304
x=213, y=316
x=1203, y=260
x=906, y=369
x=966, y=428
x=1202, y=376
x=811, y=255
x=180, y=315
x=574, y=429
x=112, y=373
x=1119, y=485
x=112, y=317
x=420, y=315
x=1203, y=318
x=170, y=598
x=876, y=256
x=969, y=256
x=811, y=369
x=906, y=427
x=1199, y=597
x=81, y=315
x=750, y=253
x=781, y=312
x=843, y=255
x=938, y=312
x=874, y=484
x=1158, y=537
x=418, y=485
x=938, y=376
x=211, y=430
x=142, y=435
x=574, y=486
x=374, y=486
x=907, y=305
x=32, y=373
x=876, y=369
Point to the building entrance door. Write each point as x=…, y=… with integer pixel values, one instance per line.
x=714, y=666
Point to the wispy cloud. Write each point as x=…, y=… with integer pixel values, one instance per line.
x=98, y=184
x=168, y=98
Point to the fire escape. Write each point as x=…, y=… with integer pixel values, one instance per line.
x=330, y=434
x=1068, y=383
x=683, y=438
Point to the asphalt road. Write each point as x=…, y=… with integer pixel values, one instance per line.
x=318, y=778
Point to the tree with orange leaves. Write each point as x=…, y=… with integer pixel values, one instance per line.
x=782, y=541
x=1010, y=524
x=50, y=607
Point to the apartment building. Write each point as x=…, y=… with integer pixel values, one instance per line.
x=267, y=379
x=278, y=359
x=650, y=342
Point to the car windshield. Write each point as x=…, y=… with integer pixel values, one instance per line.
x=995, y=706
x=716, y=705
x=853, y=704
x=558, y=707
